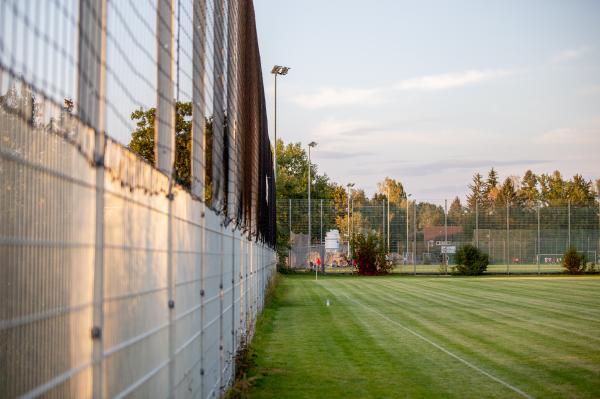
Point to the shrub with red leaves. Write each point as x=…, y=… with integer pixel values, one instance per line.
x=368, y=252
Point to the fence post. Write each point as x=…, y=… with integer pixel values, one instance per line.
x=538, y=246
x=198, y=167
x=91, y=89
x=445, y=258
x=507, y=250
x=165, y=149
x=321, y=221
x=383, y=221
x=290, y=237
x=198, y=100
x=165, y=110
x=476, y=223
x=569, y=223
x=415, y=236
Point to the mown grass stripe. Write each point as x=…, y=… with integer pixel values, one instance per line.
x=504, y=349
x=441, y=348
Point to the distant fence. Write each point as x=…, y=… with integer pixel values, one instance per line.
x=422, y=238
x=115, y=280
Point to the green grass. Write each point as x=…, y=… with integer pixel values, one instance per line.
x=390, y=337
x=515, y=268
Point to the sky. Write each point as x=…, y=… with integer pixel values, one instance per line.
x=431, y=92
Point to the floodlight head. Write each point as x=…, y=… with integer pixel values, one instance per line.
x=350, y=185
x=280, y=70
x=312, y=144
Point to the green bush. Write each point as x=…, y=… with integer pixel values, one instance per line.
x=368, y=250
x=573, y=263
x=470, y=260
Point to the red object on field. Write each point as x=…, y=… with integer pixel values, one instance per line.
x=318, y=261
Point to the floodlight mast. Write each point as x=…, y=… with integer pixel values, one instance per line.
x=277, y=70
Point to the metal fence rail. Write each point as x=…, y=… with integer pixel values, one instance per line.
x=115, y=280
x=517, y=239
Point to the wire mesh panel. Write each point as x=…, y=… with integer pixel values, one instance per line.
x=423, y=236
x=116, y=280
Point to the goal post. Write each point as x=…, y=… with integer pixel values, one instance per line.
x=556, y=259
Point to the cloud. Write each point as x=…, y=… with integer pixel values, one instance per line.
x=439, y=167
x=346, y=127
x=329, y=97
x=337, y=97
x=326, y=154
x=571, y=54
x=450, y=80
x=569, y=135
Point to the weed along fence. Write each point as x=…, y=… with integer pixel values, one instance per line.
x=119, y=278
x=422, y=238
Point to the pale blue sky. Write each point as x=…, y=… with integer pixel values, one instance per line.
x=431, y=92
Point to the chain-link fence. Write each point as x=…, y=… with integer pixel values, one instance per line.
x=119, y=278
x=422, y=236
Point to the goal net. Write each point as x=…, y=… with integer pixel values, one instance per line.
x=556, y=259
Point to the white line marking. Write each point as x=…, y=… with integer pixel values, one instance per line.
x=446, y=351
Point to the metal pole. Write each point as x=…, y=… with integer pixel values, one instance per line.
x=406, y=249
x=383, y=220
x=309, y=213
x=165, y=109
x=275, y=133
x=415, y=236
x=321, y=249
x=290, y=236
x=569, y=223
x=388, y=220
x=348, y=226
x=446, y=232
x=198, y=94
x=537, y=255
x=477, y=223
x=91, y=89
x=507, y=237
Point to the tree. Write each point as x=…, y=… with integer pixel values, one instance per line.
x=456, y=213
x=392, y=188
x=579, y=191
x=507, y=194
x=292, y=174
x=142, y=139
x=553, y=189
x=477, y=191
x=490, y=191
x=470, y=260
x=429, y=215
x=528, y=193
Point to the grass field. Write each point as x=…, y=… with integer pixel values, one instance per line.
x=520, y=268
x=391, y=337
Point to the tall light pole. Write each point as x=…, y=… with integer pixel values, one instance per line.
x=277, y=70
x=349, y=185
x=310, y=145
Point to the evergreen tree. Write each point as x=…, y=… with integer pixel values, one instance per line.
x=553, y=189
x=528, y=193
x=477, y=191
x=507, y=194
x=579, y=191
x=490, y=191
x=456, y=212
